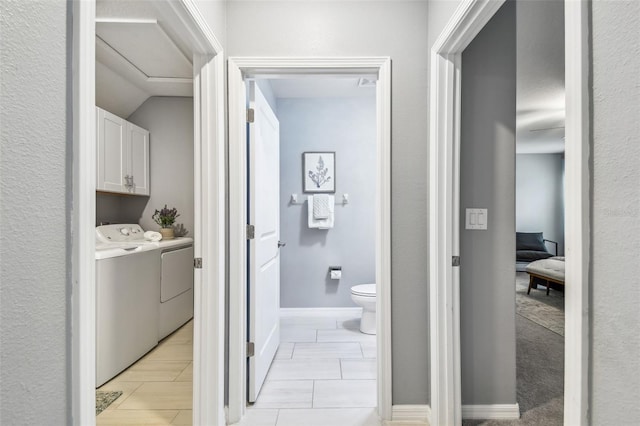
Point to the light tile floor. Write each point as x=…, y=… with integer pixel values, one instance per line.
x=324, y=374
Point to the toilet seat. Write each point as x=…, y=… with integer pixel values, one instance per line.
x=364, y=290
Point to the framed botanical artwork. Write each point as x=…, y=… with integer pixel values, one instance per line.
x=319, y=172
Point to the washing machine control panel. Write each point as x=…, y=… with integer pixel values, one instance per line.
x=120, y=233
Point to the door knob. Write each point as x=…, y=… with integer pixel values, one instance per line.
x=281, y=244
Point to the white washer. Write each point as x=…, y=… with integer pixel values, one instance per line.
x=127, y=294
x=176, y=284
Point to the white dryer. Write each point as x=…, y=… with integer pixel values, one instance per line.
x=176, y=284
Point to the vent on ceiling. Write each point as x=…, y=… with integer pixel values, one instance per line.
x=366, y=82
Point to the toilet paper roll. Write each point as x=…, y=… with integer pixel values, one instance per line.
x=336, y=275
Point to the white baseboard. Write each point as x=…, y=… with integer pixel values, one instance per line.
x=319, y=312
x=410, y=414
x=491, y=411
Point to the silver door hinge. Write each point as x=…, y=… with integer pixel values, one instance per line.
x=251, y=349
x=455, y=261
x=251, y=113
x=251, y=232
x=197, y=263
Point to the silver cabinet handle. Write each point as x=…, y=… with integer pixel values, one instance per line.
x=128, y=182
x=281, y=244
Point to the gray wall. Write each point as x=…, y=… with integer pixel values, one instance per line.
x=615, y=237
x=397, y=29
x=487, y=164
x=109, y=209
x=348, y=127
x=540, y=196
x=35, y=194
x=170, y=124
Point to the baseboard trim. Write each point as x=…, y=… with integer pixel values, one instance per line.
x=410, y=413
x=491, y=411
x=319, y=312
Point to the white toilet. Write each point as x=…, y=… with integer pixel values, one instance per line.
x=365, y=295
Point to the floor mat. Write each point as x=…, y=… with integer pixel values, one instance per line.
x=104, y=399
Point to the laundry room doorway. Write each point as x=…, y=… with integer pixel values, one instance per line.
x=195, y=41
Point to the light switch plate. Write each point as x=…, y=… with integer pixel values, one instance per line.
x=476, y=219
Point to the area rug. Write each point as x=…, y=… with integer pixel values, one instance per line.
x=104, y=399
x=547, y=311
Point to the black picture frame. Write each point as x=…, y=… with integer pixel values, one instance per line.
x=319, y=172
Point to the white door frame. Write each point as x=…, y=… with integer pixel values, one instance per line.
x=209, y=184
x=239, y=69
x=444, y=205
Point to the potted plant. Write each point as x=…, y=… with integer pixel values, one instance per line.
x=166, y=218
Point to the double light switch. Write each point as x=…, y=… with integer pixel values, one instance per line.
x=476, y=219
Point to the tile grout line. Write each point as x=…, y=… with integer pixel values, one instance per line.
x=277, y=417
x=177, y=414
x=129, y=396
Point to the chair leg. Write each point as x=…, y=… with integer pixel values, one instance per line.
x=530, y=284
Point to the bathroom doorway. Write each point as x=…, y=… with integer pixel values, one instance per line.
x=312, y=141
x=332, y=325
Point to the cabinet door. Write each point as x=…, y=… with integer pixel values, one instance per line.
x=138, y=154
x=111, y=155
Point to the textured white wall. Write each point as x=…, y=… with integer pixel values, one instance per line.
x=369, y=28
x=615, y=359
x=214, y=13
x=35, y=194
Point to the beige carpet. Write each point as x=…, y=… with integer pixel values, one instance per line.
x=547, y=311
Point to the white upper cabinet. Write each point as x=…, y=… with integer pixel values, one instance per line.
x=138, y=153
x=122, y=155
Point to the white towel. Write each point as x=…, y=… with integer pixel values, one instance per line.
x=320, y=223
x=152, y=236
x=321, y=206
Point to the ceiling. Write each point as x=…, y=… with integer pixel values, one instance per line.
x=540, y=77
x=323, y=87
x=137, y=57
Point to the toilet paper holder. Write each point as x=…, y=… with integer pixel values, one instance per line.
x=335, y=272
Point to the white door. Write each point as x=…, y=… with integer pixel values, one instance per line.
x=138, y=153
x=111, y=167
x=264, y=259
